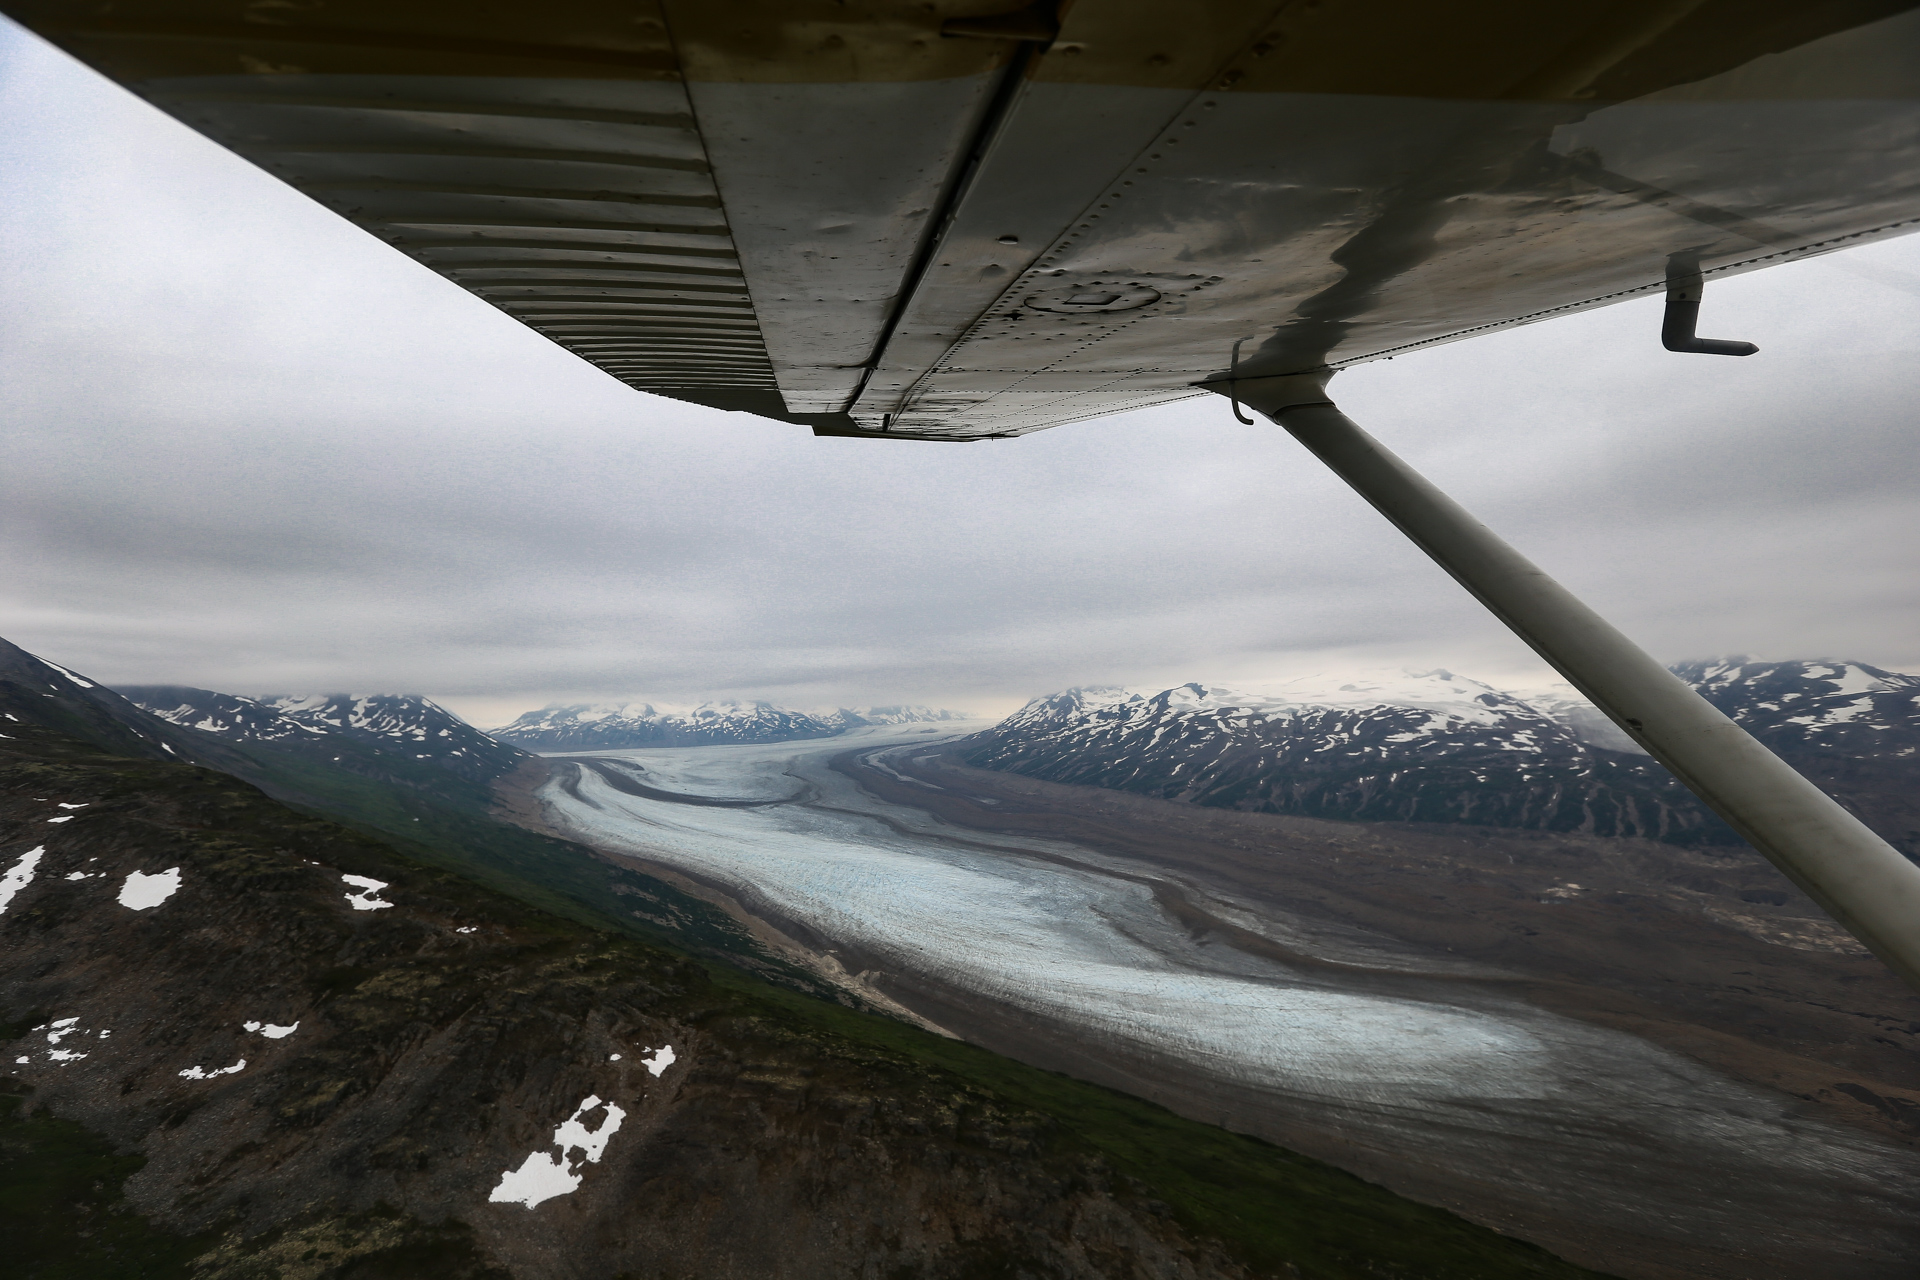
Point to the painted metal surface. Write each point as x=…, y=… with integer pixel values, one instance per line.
x=835, y=132
x=1324, y=229
x=834, y=214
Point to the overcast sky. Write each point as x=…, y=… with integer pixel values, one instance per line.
x=247, y=446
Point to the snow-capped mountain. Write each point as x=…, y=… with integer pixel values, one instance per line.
x=406, y=725
x=1589, y=723
x=1410, y=746
x=854, y=717
x=1853, y=729
x=1845, y=708
x=588, y=727
x=609, y=726
x=34, y=691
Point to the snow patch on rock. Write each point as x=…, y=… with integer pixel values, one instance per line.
x=19, y=875
x=368, y=899
x=84, y=684
x=543, y=1176
x=201, y=1073
x=270, y=1031
x=142, y=891
x=57, y=1031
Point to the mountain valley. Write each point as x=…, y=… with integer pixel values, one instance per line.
x=246, y=1042
x=1656, y=1060
x=1644, y=1051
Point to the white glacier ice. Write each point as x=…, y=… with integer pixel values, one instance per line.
x=1434, y=1066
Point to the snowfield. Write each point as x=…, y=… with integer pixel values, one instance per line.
x=619, y=725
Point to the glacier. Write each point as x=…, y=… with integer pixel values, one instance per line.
x=1455, y=1074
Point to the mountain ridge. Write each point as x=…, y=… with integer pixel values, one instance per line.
x=625, y=725
x=406, y=725
x=1409, y=747
x=1434, y=747
x=88, y=710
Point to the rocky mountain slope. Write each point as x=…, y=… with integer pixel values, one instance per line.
x=1563, y=702
x=34, y=691
x=1416, y=747
x=404, y=726
x=1811, y=706
x=615, y=726
x=435, y=808
x=1852, y=728
x=1433, y=747
x=245, y=1042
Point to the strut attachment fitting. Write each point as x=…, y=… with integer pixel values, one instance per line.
x=1233, y=380
x=1685, y=285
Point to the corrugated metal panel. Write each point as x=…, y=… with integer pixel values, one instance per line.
x=565, y=183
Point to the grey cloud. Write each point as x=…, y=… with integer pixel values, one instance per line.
x=250, y=448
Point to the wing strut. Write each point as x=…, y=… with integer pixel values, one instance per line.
x=1858, y=877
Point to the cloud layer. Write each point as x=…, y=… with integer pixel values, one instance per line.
x=249, y=447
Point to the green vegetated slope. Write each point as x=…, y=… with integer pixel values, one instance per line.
x=447, y=822
x=442, y=1039
x=62, y=1211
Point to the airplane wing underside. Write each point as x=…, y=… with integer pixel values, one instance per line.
x=952, y=221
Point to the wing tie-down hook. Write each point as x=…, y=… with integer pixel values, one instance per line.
x=1233, y=385
x=1685, y=285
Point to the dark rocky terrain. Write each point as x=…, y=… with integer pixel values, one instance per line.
x=34, y=691
x=337, y=727
x=340, y=754
x=436, y=807
x=258, y=1044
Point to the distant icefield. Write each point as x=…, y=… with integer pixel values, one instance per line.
x=1544, y=1105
